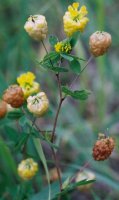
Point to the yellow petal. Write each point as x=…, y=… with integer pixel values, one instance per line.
x=75, y=5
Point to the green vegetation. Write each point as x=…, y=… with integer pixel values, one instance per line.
x=79, y=122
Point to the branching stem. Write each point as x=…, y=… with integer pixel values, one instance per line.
x=55, y=123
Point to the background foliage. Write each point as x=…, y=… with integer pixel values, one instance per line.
x=79, y=124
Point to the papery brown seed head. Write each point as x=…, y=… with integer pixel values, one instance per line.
x=3, y=109
x=99, y=43
x=103, y=148
x=14, y=96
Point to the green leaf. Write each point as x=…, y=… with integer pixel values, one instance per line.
x=21, y=141
x=23, y=120
x=72, y=186
x=82, y=94
x=73, y=57
x=47, y=65
x=25, y=123
x=67, y=57
x=53, y=56
x=7, y=160
x=67, y=91
x=37, y=134
x=11, y=133
x=77, y=94
x=15, y=114
x=70, y=57
x=40, y=152
x=50, y=60
x=55, y=190
x=42, y=195
x=75, y=66
x=73, y=39
x=59, y=69
x=53, y=40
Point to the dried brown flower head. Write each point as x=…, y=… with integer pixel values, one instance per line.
x=99, y=43
x=3, y=109
x=103, y=148
x=14, y=96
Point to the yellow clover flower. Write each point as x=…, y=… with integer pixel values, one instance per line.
x=27, y=83
x=64, y=47
x=27, y=169
x=74, y=19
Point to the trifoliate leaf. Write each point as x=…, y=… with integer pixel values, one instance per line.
x=75, y=66
x=77, y=94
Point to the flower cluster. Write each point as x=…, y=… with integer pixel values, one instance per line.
x=14, y=96
x=38, y=104
x=74, y=19
x=103, y=147
x=36, y=27
x=63, y=47
x=27, y=169
x=28, y=85
x=99, y=43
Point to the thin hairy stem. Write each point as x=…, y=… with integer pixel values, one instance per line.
x=44, y=47
x=59, y=85
x=47, y=52
x=56, y=119
x=76, y=78
x=56, y=161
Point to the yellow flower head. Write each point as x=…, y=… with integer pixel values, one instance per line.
x=27, y=169
x=27, y=83
x=64, y=47
x=26, y=79
x=74, y=19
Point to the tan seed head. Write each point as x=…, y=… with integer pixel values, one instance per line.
x=103, y=148
x=3, y=109
x=14, y=96
x=99, y=43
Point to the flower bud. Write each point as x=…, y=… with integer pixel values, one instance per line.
x=103, y=148
x=27, y=169
x=3, y=109
x=99, y=43
x=38, y=104
x=36, y=27
x=63, y=47
x=14, y=96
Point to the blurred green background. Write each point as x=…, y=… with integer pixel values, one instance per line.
x=79, y=123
